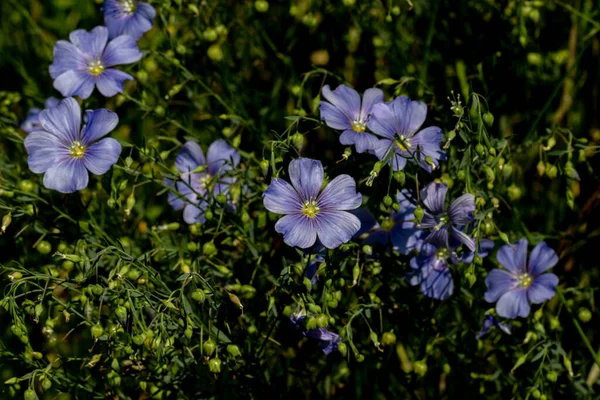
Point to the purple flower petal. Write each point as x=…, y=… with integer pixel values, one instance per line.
x=362, y=140
x=433, y=196
x=438, y=284
x=121, y=50
x=281, y=198
x=543, y=288
x=340, y=194
x=221, y=157
x=513, y=303
x=98, y=123
x=463, y=238
x=100, y=156
x=174, y=200
x=45, y=151
x=370, y=98
x=333, y=117
x=75, y=83
x=427, y=143
x=498, y=281
x=462, y=209
x=542, y=258
x=405, y=240
x=67, y=57
x=63, y=121
x=513, y=257
x=92, y=42
x=367, y=220
x=111, y=81
x=383, y=120
x=298, y=230
x=190, y=157
x=194, y=213
x=121, y=22
x=335, y=228
x=428, y=221
x=306, y=176
x=51, y=102
x=410, y=115
x=345, y=99
x=67, y=177
x=379, y=237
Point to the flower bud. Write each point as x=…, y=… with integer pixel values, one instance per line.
x=6, y=220
x=209, y=347
x=552, y=376
x=400, y=177
x=215, y=53
x=418, y=213
x=584, y=315
x=97, y=331
x=420, y=367
x=261, y=6
x=488, y=118
x=30, y=394
x=264, y=166
x=343, y=349
x=214, y=365
x=233, y=350
x=209, y=249
x=322, y=320
x=388, y=338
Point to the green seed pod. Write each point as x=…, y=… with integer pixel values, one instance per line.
x=322, y=320
x=420, y=367
x=209, y=249
x=215, y=53
x=551, y=171
x=343, y=349
x=121, y=313
x=46, y=384
x=30, y=394
x=552, y=376
x=6, y=220
x=199, y=296
x=311, y=323
x=480, y=149
x=26, y=186
x=400, y=177
x=209, y=347
x=210, y=35
x=514, y=192
x=387, y=200
x=261, y=6
x=488, y=118
x=44, y=247
x=221, y=198
x=159, y=110
x=367, y=249
x=214, y=365
x=541, y=168
x=97, y=331
x=584, y=315
x=388, y=338
x=418, y=213
x=287, y=311
x=298, y=141
x=264, y=166
x=234, y=350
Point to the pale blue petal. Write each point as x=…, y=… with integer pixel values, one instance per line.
x=333, y=117
x=63, y=121
x=221, y=157
x=98, y=123
x=91, y=43
x=543, y=288
x=462, y=209
x=100, y=156
x=298, y=230
x=45, y=151
x=190, y=157
x=67, y=177
x=542, y=258
x=340, y=194
x=513, y=303
x=67, y=57
x=409, y=114
x=75, y=83
x=111, y=81
x=370, y=98
x=121, y=50
x=306, y=176
x=281, y=198
x=362, y=140
x=433, y=196
x=335, y=228
x=498, y=281
x=513, y=257
x=345, y=99
x=383, y=120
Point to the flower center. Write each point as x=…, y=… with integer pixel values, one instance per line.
x=359, y=126
x=403, y=143
x=444, y=220
x=310, y=209
x=387, y=224
x=205, y=181
x=77, y=149
x=525, y=280
x=129, y=6
x=96, y=67
x=442, y=254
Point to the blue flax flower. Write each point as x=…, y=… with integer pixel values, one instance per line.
x=343, y=111
x=310, y=212
x=86, y=62
x=519, y=283
x=328, y=341
x=64, y=151
x=399, y=229
x=446, y=224
x=32, y=121
x=200, y=177
x=398, y=122
x=128, y=17
x=431, y=268
x=489, y=322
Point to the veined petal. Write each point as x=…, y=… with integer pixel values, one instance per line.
x=281, y=198
x=462, y=237
x=543, y=288
x=405, y=240
x=298, y=230
x=428, y=221
x=438, y=284
x=194, y=213
x=75, y=83
x=427, y=143
x=383, y=120
x=335, y=228
x=63, y=121
x=462, y=209
x=340, y=194
x=498, y=281
x=221, y=157
x=433, y=196
x=45, y=151
x=174, y=199
x=362, y=140
x=100, y=156
x=67, y=57
x=367, y=220
x=91, y=43
x=409, y=114
x=67, y=177
x=190, y=157
x=306, y=176
x=111, y=81
x=370, y=98
x=333, y=117
x=98, y=123
x=513, y=303
x=345, y=99
x=513, y=257
x=542, y=258
x=439, y=237
x=121, y=50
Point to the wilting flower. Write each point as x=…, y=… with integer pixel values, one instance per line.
x=489, y=322
x=343, y=111
x=519, y=283
x=398, y=122
x=64, y=151
x=446, y=224
x=87, y=60
x=310, y=212
x=32, y=122
x=328, y=341
x=431, y=268
x=399, y=229
x=201, y=176
x=128, y=17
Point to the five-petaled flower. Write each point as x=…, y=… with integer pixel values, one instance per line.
x=521, y=283
x=87, y=61
x=310, y=212
x=128, y=17
x=32, y=121
x=64, y=151
x=343, y=111
x=459, y=214
x=398, y=122
x=200, y=177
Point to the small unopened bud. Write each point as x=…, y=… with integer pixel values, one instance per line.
x=368, y=250
x=387, y=200
x=400, y=177
x=388, y=338
x=6, y=220
x=214, y=365
x=264, y=166
x=418, y=213
x=551, y=171
x=488, y=118
x=129, y=204
x=420, y=367
x=233, y=350
x=298, y=141
x=209, y=248
x=209, y=347
x=541, y=168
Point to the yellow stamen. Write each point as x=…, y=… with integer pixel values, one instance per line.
x=77, y=149
x=403, y=143
x=310, y=209
x=525, y=280
x=359, y=126
x=96, y=67
x=129, y=6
